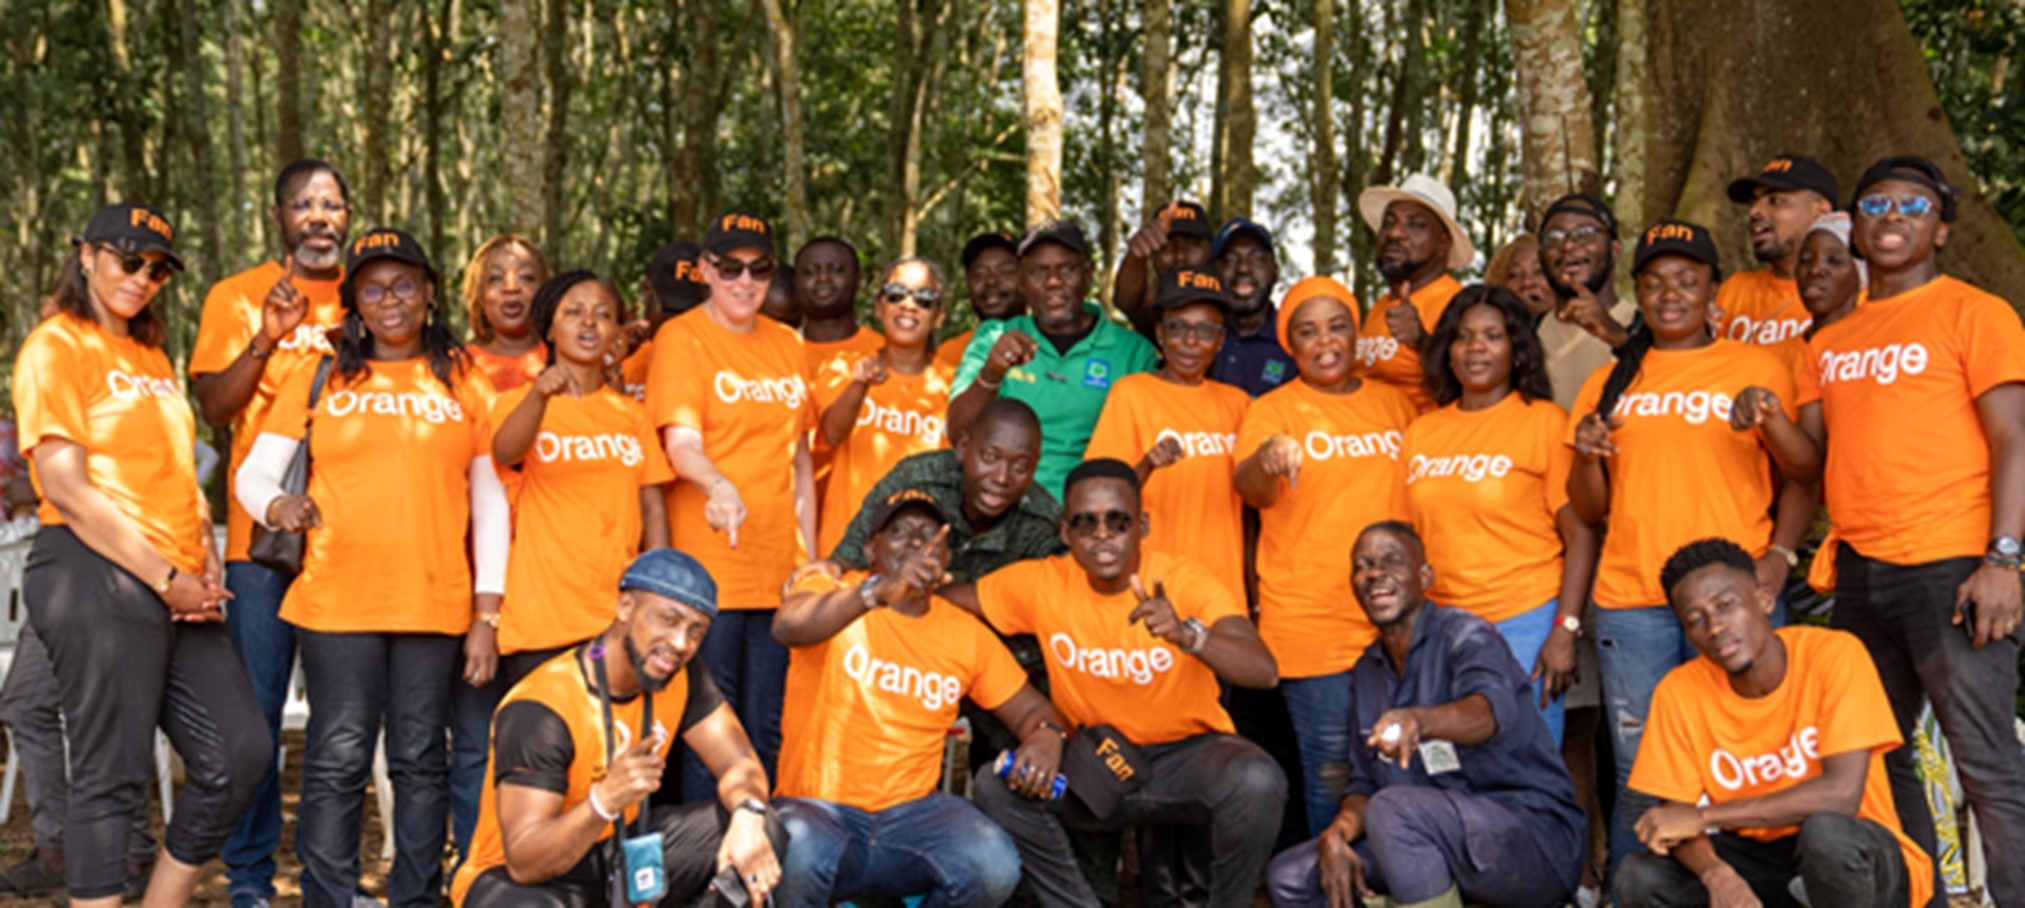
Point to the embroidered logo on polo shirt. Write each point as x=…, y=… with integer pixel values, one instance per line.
x=1096, y=373
x=1276, y=371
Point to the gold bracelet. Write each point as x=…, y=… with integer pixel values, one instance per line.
x=491, y=618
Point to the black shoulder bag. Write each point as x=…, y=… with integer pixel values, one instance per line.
x=281, y=550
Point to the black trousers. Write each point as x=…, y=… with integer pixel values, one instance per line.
x=124, y=669
x=690, y=834
x=1220, y=782
x=1844, y=861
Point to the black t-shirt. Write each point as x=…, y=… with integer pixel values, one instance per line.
x=531, y=743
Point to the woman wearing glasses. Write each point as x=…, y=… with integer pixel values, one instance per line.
x=880, y=408
x=727, y=393
x=124, y=583
x=1179, y=431
x=1321, y=464
x=388, y=598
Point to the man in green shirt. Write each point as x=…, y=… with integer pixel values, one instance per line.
x=1060, y=359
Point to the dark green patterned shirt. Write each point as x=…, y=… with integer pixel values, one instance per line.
x=1031, y=528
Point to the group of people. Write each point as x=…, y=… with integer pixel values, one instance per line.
x=1295, y=588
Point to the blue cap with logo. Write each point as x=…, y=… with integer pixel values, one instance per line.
x=674, y=575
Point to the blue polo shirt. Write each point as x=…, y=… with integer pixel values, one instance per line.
x=1455, y=654
x=1066, y=390
x=1255, y=362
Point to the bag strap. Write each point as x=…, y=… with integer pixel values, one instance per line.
x=596, y=654
x=315, y=392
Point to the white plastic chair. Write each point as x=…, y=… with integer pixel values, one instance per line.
x=13, y=614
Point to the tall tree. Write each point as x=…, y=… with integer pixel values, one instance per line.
x=1559, y=140
x=126, y=101
x=521, y=121
x=375, y=114
x=1043, y=110
x=287, y=38
x=793, y=142
x=1233, y=179
x=1156, y=87
x=1322, y=120
x=196, y=130
x=235, y=105
x=555, y=142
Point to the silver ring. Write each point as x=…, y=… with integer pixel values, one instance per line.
x=754, y=878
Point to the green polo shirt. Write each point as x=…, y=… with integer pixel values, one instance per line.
x=1066, y=390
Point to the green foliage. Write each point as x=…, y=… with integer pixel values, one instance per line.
x=1975, y=50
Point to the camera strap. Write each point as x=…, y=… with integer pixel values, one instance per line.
x=596, y=652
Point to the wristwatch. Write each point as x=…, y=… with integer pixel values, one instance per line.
x=2005, y=552
x=1201, y=638
x=867, y=592
x=1572, y=623
x=490, y=618
x=161, y=587
x=753, y=805
x=1792, y=557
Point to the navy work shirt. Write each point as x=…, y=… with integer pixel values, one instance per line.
x=1254, y=362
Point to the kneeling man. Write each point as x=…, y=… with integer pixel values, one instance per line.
x=576, y=750
x=880, y=666
x=1775, y=740
x=1457, y=792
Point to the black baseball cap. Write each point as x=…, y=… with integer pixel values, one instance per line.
x=1067, y=233
x=383, y=243
x=1676, y=238
x=132, y=227
x=738, y=230
x=1913, y=169
x=674, y=279
x=1583, y=204
x=1785, y=173
x=1186, y=219
x=983, y=241
x=1236, y=228
x=1186, y=287
x=903, y=500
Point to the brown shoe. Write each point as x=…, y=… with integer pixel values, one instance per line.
x=32, y=878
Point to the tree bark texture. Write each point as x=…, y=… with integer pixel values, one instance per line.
x=288, y=80
x=795, y=169
x=1235, y=179
x=1322, y=119
x=197, y=131
x=1558, y=139
x=519, y=70
x=555, y=143
x=1156, y=87
x=1043, y=94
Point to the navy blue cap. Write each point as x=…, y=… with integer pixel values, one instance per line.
x=674, y=575
x=1236, y=228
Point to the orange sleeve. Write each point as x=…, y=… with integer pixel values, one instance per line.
x=677, y=381
x=1207, y=597
x=1807, y=377
x=1995, y=344
x=1666, y=767
x=1854, y=712
x=223, y=330
x=1004, y=596
x=830, y=378
x=1560, y=456
x=48, y=400
x=1262, y=421
x=1116, y=434
x=290, y=413
x=999, y=675
x=654, y=467
x=503, y=406
x=1587, y=399
x=1781, y=382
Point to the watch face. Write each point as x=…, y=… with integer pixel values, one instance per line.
x=2007, y=546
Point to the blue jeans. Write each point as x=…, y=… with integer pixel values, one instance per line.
x=1320, y=709
x=750, y=668
x=1526, y=633
x=1635, y=648
x=267, y=645
x=939, y=846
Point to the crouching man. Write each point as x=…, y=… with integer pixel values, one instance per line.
x=1775, y=740
x=577, y=748
x=1456, y=792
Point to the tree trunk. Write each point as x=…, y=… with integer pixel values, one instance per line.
x=555, y=143
x=288, y=79
x=1043, y=111
x=1807, y=59
x=1356, y=159
x=1238, y=122
x=520, y=110
x=1110, y=73
x=375, y=120
x=1406, y=93
x=1559, y=140
x=794, y=182
x=196, y=128
x=235, y=107
x=695, y=198
x=1156, y=88
x=1456, y=169
x=134, y=182
x=1322, y=119
x=439, y=31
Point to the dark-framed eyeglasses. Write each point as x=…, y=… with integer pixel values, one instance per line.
x=375, y=294
x=1085, y=523
x=1198, y=332
x=732, y=269
x=1555, y=239
x=134, y=262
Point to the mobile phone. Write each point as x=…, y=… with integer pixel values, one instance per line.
x=730, y=889
x=1969, y=618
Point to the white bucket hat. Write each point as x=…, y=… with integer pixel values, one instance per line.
x=1424, y=190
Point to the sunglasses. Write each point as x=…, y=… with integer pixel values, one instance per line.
x=133, y=262
x=925, y=297
x=374, y=294
x=1085, y=523
x=1911, y=206
x=732, y=269
x=1553, y=239
x=1198, y=332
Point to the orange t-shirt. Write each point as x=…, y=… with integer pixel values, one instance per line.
x=822, y=356
x=560, y=685
x=509, y=372
x=1382, y=358
x=867, y=710
x=576, y=515
x=898, y=418
x=1908, y=471
x=1763, y=309
x=1193, y=504
x=1704, y=740
x=1483, y=489
x=950, y=353
x=120, y=400
x=748, y=396
x=1350, y=478
x=390, y=465
x=1104, y=670
x=634, y=370
x=1680, y=472
x=231, y=318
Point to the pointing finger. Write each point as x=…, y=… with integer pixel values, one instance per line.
x=1139, y=589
